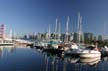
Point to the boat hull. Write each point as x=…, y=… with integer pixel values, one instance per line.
x=89, y=55
x=89, y=60
x=52, y=50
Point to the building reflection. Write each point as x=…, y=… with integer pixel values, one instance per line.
x=11, y=49
x=1, y=52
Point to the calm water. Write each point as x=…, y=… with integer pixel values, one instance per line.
x=31, y=59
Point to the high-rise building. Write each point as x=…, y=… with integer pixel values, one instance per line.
x=100, y=38
x=88, y=37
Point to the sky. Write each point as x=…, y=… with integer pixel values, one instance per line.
x=28, y=16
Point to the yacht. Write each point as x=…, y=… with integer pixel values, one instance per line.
x=74, y=50
x=104, y=51
x=89, y=60
x=90, y=52
x=40, y=44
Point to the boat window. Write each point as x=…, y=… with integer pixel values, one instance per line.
x=90, y=47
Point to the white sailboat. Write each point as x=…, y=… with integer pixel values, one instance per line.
x=53, y=43
x=65, y=45
x=67, y=28
x=87, y=52
x=79, y=35
x=74, y=49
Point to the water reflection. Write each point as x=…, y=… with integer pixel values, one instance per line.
x=11, y=49
x=1, y=52
x=31, y=59
x=104, y=59
x=72, y=59
x=52, y=61
x=57, y=62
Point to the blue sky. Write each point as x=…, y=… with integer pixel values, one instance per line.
x=25, y=16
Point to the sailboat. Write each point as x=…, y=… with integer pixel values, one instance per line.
x=79, y=35
x=66, y=44
x=74, y=48
x=40, y=44
x=86, y=52
x=53, y=44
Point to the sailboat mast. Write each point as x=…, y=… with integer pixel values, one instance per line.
x=10, y=34
x=49, y=32
x=67, y=26
x=59, y=30
x=104, y=32
x=56, y=29
x=79, y=27
x=78, y=37
x=81, y=35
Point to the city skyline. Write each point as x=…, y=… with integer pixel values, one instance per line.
x=25, y=16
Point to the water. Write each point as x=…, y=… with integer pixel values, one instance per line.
x=31, y=59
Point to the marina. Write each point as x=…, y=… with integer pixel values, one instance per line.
x=53, y=35
x=51, y=50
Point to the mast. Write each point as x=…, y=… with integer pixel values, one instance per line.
x=67, y=26
x=56, y=29
x=79, y=27
x=10, y=34
x=104, y=31
x=81, y=34
x=59, y=31
x=14, y=35
x=49, y=32
x=78, y=36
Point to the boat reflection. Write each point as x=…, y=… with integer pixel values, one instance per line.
x=52, y=61
x=59, y=62
x=71, y=59
x=104, y=58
